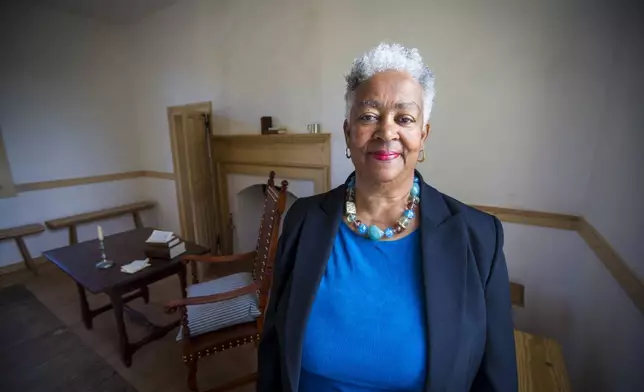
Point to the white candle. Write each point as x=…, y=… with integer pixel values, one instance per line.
x=100, y=233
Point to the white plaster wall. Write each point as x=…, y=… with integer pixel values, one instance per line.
x=522, y=95
x=571, y=297
x=519, y=84
x=65, y=94
x=523, y=91
x=40, y=206
x=176, y=56
x=515, y=119
x=66, y=111
x=614, y=203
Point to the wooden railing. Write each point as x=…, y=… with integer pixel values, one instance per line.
x=618, y=268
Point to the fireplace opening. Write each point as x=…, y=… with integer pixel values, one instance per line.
x=246, y=218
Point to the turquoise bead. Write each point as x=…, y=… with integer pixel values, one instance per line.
x=375, y=233
x=415, y=190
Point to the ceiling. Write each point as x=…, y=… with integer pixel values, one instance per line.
x=109, y=11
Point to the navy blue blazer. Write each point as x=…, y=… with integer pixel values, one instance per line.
x=467, y=295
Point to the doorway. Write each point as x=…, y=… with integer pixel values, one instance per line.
x=192, y=159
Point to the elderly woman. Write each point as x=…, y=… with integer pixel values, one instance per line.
x=384, y=283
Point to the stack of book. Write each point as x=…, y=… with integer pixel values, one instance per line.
x=164, y=245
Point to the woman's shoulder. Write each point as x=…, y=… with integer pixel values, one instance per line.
x=470, y=213
x=481, y=225
x=303, y=204
x=484, y=230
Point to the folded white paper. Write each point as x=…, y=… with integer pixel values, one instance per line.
x=135, y=266
x=160, y=237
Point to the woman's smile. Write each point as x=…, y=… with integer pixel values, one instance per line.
x=384, y=155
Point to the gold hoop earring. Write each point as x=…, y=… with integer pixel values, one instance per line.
x=347, y=153
x=422, y=159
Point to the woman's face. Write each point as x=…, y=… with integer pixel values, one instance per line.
x=385, y=131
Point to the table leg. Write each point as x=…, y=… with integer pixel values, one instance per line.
x=86, y=314
x=182, y=279
x=145, y=294
x=124, y=344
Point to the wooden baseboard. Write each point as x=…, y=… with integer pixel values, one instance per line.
x=20, y=265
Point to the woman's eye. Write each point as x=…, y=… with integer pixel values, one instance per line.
x=367, y=117
x=406, y=120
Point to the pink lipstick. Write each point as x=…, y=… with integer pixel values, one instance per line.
x=383, y=155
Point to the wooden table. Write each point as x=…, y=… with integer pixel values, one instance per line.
x=540, y=364
x=78, y=262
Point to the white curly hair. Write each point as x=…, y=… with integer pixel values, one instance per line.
x=391, y=56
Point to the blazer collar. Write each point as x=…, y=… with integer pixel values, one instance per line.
x=444, y=252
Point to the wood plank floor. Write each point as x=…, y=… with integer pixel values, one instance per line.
x=157, y=367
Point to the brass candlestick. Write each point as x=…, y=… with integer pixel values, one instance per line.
x=104, y=262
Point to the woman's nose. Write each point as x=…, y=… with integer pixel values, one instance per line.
x=386, y=130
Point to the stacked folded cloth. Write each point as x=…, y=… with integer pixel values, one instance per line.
x=135, y=266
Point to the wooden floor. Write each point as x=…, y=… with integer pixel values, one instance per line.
x=155, y=367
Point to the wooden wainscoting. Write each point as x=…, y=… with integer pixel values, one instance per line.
x=260, y=151
x=158, y=174
x=67, y=182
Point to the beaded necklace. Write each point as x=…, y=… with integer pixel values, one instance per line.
x=373, y=232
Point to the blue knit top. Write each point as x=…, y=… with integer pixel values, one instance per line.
x=366, y=330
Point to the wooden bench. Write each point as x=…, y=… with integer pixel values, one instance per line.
x=16, y=233
x=71, y=222
x=540, y=364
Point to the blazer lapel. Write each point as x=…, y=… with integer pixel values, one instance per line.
x=445, y=254
x=314, y=248
x=444, y=251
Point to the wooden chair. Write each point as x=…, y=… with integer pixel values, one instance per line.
x=16, y=233
x=200, y=346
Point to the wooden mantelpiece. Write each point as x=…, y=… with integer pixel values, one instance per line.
x=297, y=156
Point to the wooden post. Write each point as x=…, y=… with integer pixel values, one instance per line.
x=26, y=257
x=138, y=223
x=73, y=236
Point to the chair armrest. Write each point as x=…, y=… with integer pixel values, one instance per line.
x=173, y=306
x=250, y=256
